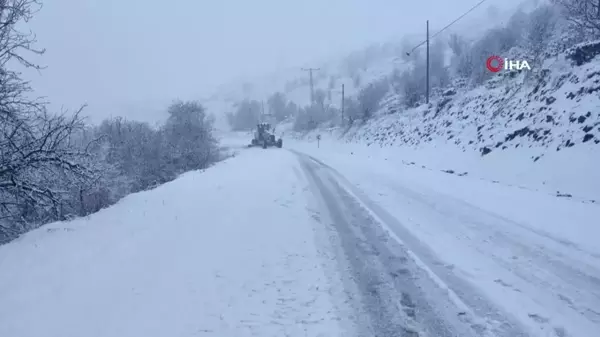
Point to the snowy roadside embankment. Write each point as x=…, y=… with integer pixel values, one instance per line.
x=226, y=252
x=534, y=254
x=539, y=208
x=572, y=173
x=538, y=131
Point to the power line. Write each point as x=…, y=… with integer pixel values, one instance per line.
x=448, y=25
x=428, y=39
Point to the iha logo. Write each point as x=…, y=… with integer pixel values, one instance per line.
x=496, y=63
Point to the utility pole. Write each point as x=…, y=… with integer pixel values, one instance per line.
x=342, y=103
x=312, y=88
x=427, y=92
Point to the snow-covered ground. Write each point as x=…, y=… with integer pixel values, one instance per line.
x=226, y=252
x=311, y=241
x=494, y=191
x=534, y=254
x=571, y=173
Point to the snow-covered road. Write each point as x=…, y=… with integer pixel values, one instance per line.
x=390, y=291
x=310, y=243
x=512, y=256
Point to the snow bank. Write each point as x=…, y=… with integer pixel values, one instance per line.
x=225, y=252
x=572, y=173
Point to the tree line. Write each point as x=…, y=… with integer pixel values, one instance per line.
x=55, y=166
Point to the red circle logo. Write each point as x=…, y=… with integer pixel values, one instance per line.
x=497, y=60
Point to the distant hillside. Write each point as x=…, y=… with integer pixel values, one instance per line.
x=539, y=129
x=556, y=108
x=540, y=132
x=356, y=70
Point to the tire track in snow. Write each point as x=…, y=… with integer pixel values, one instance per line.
x=542, y=265
x=393, y=292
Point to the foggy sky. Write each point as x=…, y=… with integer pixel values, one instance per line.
x=134, y=56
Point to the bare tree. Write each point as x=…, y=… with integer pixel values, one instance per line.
x=457, y=44
x=53, y=166
x=247, y=114
x=352, y=109
x=542, y=23
x=14, y=42
x=369, y=98
x=440, y=76
x=461, y=62
x=277, y=106
x=320, y=96
x=188, y=132
x=309, y=118
x=584, y=14
x=14, y=46
x=37, y=152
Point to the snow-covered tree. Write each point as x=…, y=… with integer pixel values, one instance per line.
x=461, y=62
x=54, y=166
x=277, y=106
x=38, y=156
x=515, y=29
x=494, y=42
x=370, y=97
x=320, y=96
x=439, y=76
x=413, y=86
x=542, y=24
x=309, y=117
x=188, y=134
x=352, y=110
x=246, y=116
x=584, y=14
x=291, y=108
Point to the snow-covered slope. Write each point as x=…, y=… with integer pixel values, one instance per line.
x=194, y=257
x=540, y=132
x=355, y=70
x=557, y=108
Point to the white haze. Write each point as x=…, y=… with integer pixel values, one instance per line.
x=131, y=57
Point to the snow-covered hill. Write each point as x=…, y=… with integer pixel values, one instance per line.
x=540, y=132
x=536, y=129
x=557, y=108
x=539, y=129
x=355, y=70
